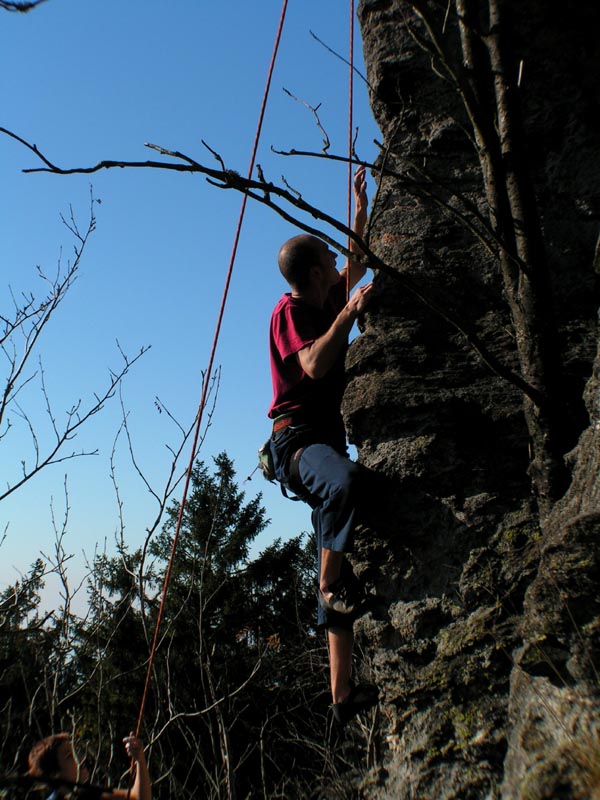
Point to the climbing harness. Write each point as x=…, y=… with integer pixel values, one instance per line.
x=265, y=461
x=293, y=480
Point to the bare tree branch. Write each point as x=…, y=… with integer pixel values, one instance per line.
x=263, y=193
x=345, y=60
x=75, y=419
x=19, y=338
x=313, y=110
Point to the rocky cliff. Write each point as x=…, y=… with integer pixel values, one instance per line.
x=485, y=642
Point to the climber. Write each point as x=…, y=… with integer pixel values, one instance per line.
x=308, y=341
x=53, y=758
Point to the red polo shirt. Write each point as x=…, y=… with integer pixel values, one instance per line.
x=295, y=325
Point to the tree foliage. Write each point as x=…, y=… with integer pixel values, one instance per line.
x=238, y=696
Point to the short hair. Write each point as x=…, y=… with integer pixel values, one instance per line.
x=296, y=257
x=43, y=759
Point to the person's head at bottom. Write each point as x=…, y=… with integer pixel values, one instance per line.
x=54, y=757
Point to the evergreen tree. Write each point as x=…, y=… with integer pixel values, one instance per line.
x=238, y=638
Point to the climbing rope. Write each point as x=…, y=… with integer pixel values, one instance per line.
x=350, y=135
x=207, y=376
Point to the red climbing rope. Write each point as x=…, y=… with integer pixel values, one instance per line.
x=207, y=376
x=350, y=134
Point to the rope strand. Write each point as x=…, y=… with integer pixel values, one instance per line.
x=350, y=135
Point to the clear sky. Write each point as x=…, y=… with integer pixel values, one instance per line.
x=88, y=80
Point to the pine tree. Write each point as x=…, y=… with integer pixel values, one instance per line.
x=239, y=632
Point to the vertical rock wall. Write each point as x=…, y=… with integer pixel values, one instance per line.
x=554, y=730
x=452, y=544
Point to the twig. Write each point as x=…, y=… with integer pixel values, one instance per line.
x=341, y=58
x=229, y=179
x=313, y=110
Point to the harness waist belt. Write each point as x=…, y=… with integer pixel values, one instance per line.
x=282, y=422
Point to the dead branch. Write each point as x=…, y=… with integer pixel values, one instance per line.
x=262, y=192
x=21, y=333
x=76, y=417
x=313, y=110
x=427, y=185
x=341, y=58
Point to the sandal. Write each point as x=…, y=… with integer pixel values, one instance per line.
x=362, y=697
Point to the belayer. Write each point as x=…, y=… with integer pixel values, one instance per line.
x=308, y=341
x=54, y=760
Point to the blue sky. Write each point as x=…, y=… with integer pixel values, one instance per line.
x=88, y=80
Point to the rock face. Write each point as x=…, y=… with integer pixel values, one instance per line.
x=486, y=641
x=554, y=730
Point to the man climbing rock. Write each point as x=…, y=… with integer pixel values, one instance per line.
x=308, y=342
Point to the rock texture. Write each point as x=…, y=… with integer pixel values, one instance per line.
x=485, y=643
x=554, y=706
